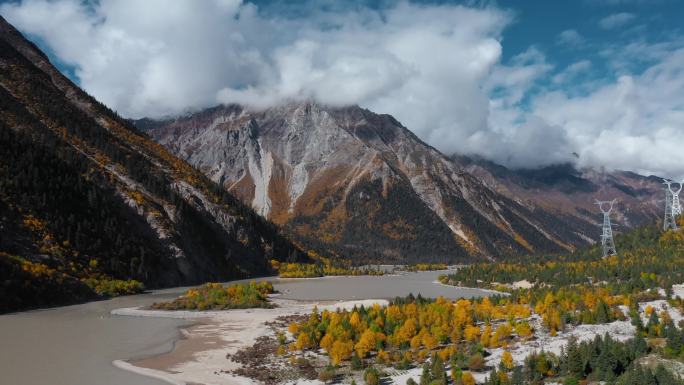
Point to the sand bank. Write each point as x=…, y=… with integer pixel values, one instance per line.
x=200, y=357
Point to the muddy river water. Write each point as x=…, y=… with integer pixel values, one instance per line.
x=75, y=345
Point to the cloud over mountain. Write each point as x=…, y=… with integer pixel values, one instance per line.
x=437, y=68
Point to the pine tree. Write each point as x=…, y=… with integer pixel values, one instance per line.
x=517, y=377
x=602, y=312
x=425, y=377
x=575, y=366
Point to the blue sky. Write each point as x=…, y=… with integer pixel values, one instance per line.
x=524, y=83
x=543, y=23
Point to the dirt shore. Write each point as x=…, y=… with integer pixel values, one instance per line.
x=200, y=356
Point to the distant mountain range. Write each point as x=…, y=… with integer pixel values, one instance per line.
x=84, y=195
x=364, y=186
x=568, y=191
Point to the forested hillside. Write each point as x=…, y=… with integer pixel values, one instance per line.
x=647, y=258
x=89, y=206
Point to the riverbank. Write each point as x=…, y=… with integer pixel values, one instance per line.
x=486, y=291
x=200, y=356
x=76, y=345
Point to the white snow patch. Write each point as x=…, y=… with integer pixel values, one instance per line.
x=678, y=291
x=658, y=306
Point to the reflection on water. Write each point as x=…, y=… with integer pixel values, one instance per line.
x=75, y=345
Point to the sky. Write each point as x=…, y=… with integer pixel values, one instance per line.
x=599, y=83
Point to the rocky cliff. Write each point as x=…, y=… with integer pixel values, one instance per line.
x=359, y=183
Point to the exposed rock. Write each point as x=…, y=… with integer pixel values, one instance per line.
x=359, y=183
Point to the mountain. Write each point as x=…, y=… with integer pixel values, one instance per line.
x=360, y=184
x=571, y=192
x=88, y=202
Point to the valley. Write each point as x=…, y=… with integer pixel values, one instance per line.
x=347, y=193
x=518, y=334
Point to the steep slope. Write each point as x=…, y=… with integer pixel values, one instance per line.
x=569, y=192
x=84, y=197
x=357, y=182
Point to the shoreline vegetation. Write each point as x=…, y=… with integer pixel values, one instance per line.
x=424, y=267
x=325, y=268
x=37, y=285
x=216, y=296
x=315, y=270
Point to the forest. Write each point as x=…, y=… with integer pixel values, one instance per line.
x=452, y=339
x=647, y=258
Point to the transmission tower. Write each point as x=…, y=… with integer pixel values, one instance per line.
x=607, y=236
x=672, y=206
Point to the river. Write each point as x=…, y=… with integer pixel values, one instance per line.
x=75, y=345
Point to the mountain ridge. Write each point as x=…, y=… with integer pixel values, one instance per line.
x=308, y=146
x=566, y=189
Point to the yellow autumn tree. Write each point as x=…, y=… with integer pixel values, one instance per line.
x=303, y=341
x=340, y=351
x=523, y=329
x=507, y=360
x=471, y=333
x=366, y=343
x=486, y=336
x=467, y=378
x=355, y=322
x=648, y=310
x=429, y=341
x=406, y=331
x=327, y=342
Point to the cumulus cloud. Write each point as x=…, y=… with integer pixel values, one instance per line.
x=634, y=123
x=437, y=68
x=616, y=20
x=570, y=37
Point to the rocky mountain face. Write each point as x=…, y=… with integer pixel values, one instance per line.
x=361, y=184
x=84, y=194
x=570, y=192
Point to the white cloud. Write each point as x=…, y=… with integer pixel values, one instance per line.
x=570, y=37
x=634, y=123
x=571, y=71
x=616, y=20
x=425, y=64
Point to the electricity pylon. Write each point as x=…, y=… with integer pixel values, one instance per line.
x=672, y=206
x=607, y=235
